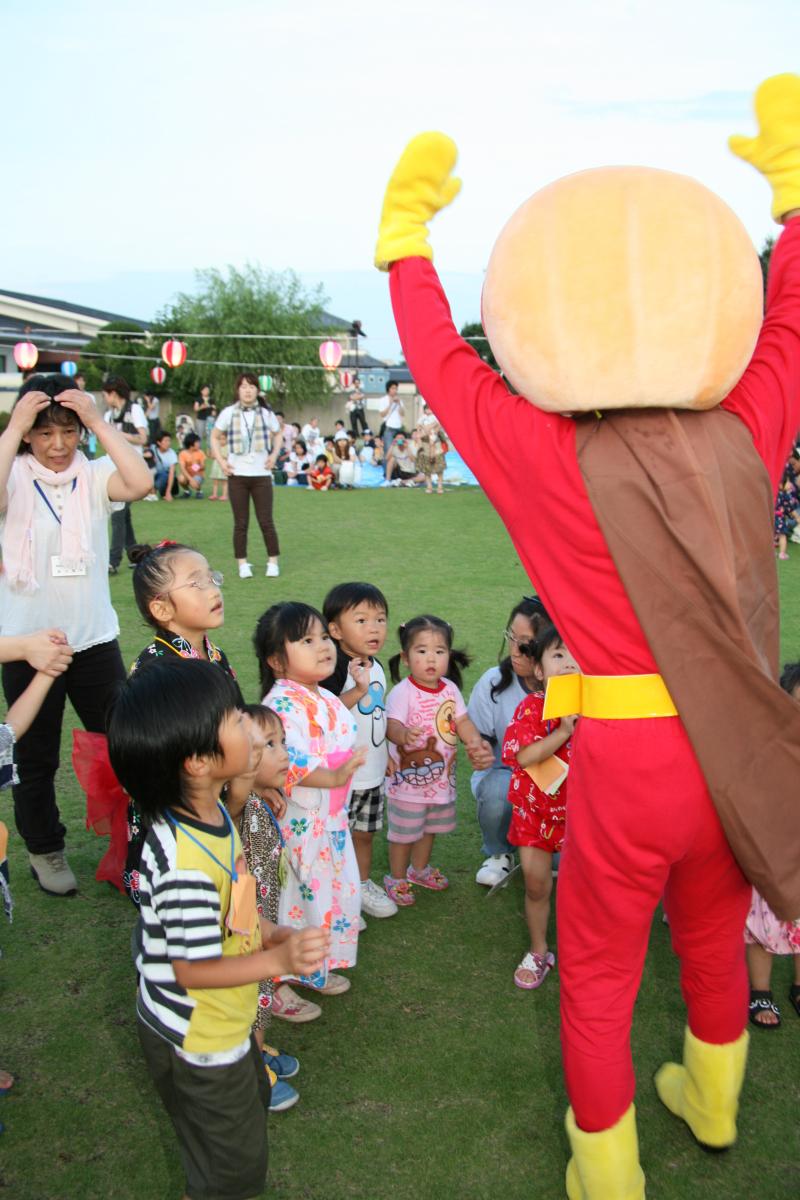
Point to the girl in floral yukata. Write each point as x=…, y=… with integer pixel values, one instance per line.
x=295, y=652
x=180, y=597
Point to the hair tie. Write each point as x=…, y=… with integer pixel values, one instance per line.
x=163, y=545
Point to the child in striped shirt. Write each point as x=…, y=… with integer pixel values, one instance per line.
x=200, y=946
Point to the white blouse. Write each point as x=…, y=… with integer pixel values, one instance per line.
x=80, y=605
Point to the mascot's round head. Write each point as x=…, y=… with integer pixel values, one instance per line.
x=623, y=287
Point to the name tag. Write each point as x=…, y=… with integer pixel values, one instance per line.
x=58, y=568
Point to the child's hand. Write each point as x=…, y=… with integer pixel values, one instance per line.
x=568, y=724
x=480, y=754
x=414, y=734
x=349, y=768
x=306, y=951
x=359, y=671
x=274, y=800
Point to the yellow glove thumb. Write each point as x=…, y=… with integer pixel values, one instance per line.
x=421, y=184
x=775, y=151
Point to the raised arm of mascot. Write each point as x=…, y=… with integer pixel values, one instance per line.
x=635, y=470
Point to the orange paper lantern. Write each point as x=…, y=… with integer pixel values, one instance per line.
x=174, y=353
x=330, y=355
x=25, y=355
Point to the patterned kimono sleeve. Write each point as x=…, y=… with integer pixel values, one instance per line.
x=524, y=728
x=298, y=740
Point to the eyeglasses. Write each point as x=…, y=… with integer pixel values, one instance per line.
x=515, y=642
x=202, y=583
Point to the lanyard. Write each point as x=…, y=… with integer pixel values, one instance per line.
x=232, y=871
x=274, y=821
x=47, y=502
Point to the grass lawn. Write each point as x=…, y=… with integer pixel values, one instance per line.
x=434, y=1075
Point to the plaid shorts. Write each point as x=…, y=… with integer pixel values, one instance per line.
x=366, y=810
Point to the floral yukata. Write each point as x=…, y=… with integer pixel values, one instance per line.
x=323, y=886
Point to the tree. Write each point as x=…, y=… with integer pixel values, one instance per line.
x=474, y=330
x=130, y=357
x=764, y=258
x=249, y=301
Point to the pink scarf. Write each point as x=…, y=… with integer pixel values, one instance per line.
x=76, y=548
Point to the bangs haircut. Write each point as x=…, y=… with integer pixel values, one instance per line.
x=153, y=728
x=264, y=716
x=282, y=623
x=547, y=637
x=345, y=596
x=54, y=414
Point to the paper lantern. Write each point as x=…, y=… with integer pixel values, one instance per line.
x=346, y=378
x=330, y=355
x=25, y=355
x=158, y=374
x=173, y=353
x=69, y=368
x=265, y=383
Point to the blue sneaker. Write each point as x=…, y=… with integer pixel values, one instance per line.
x=285, y=1066
x=282, y=1095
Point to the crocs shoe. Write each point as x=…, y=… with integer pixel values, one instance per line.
x=431, y=878
x=399, y=890
x=334, y=985
x=282, y=1095
x=533, y=970
x=285, y=1066
x=287, y=1005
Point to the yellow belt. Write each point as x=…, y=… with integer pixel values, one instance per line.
x=609, y=697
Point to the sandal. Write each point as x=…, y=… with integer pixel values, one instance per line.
x=431, y=878
x=762, y=1002
x=794, y=997
x=399, y=890
x=287, y=1005
x=536, y=965
x=333, y=986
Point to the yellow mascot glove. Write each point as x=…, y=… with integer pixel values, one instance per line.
x=421, y=184
x=775, y=152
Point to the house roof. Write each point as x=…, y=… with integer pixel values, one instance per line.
x=98, y=314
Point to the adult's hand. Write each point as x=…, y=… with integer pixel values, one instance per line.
x=83, y=405
x=48, y=651
x=26, y=410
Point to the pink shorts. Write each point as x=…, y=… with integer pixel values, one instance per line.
x=408, y=822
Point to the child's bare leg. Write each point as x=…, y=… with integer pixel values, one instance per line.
x=399, y=858
x=759, y=968
x=362, y=844
x=421, y=851
x=537, y=870
x=781, y=544
x=224, y=495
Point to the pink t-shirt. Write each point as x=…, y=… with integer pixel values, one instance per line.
x=427, y=773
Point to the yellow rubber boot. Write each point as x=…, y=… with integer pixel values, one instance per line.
x=704, y=1092
x=605, y=1165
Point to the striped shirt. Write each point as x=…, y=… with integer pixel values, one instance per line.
x=185, y=890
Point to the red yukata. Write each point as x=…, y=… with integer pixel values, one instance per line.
x=538, y=819
x=642, y=822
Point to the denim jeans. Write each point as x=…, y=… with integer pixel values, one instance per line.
x=494, y=811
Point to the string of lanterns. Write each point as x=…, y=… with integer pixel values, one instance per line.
x=173, y=353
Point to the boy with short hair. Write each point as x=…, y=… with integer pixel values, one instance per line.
x=198, y=944
x=356, y=616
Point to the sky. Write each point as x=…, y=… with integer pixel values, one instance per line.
x=144, y=141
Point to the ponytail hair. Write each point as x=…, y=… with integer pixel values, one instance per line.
x=153, y=573
x=406, y=634
x=288, y=621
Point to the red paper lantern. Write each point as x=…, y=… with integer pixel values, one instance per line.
x=25, y=355
x=158, y=374
x=330, y=355
x=346, y=378
x=174, y=353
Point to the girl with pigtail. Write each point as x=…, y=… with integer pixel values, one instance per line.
x=425, y=718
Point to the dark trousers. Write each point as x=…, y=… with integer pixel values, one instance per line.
x=358, y=416
x=240, y=489
x=122, y=535
x=90, y=683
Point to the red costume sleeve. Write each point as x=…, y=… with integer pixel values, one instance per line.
x=767, y=397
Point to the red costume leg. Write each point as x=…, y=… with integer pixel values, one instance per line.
x=639, y=814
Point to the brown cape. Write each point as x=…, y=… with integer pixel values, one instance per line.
x=686, y=508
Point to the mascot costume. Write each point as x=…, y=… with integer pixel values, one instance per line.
x=635, y=470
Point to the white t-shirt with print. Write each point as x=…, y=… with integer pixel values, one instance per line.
x=370, y=719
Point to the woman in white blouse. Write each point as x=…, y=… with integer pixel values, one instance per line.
x=54, y=509
x=254, y=438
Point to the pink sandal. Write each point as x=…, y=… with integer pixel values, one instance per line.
x=431, y=878
x=399, y=890
x=537, y=965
